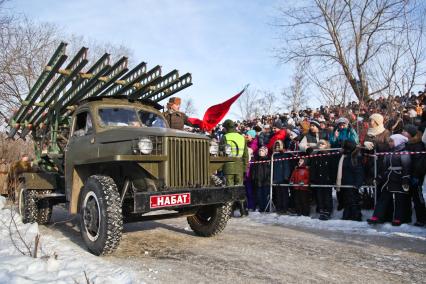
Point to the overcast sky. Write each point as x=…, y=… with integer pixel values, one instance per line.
x=224, y=44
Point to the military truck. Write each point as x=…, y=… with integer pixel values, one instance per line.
x=105, y=150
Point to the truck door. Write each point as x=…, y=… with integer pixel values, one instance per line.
x=81, y=145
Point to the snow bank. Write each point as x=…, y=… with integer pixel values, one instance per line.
x=335, y=224
x=68, y=266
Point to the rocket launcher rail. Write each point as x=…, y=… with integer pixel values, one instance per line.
x=59, y=89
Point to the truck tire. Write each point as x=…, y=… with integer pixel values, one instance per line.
x=27, y=205
x=101, y=219
x=44, y=207
x=210, y=220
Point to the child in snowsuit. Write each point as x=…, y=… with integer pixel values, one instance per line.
x=302, y=196
x=395, y=189
x=261, y=178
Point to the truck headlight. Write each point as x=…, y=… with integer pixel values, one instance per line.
x=228, y=150
x=214, y=148
x=145, y=146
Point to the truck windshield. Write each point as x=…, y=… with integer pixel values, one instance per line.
x=129, y=117
x=119, y=117
x=151, y=119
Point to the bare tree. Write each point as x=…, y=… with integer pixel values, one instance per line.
x=294, y=97
x=267, y=102
x=249, y=104
x=364, y=40
x=334, y=90
x=188, y=108
x=98, y=48
x=25, y=49
x=26, y=46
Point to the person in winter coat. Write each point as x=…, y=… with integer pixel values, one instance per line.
x=261, y=178
x=417, y=171
x=350, y=173
x=234, y=171
x=322, y=171
x=311, y=139
x=375, y=142
x=343, y=132
x=279, y=134
x=276, y=145
x=253, y=147
x=395, y=185
x=302, y=193
x=265, y=135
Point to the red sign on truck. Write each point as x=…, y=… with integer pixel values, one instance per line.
x=157, y=201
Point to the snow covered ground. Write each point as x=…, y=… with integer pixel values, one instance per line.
x=59, y=260
x=336, y=224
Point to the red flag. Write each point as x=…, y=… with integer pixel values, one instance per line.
x=214, y=114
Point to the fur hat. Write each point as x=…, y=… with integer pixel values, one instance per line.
x=175, y=100
x=377, y=118
x=410, y=129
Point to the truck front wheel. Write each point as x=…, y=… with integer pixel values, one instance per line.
x=210, y=220
x=101, y=217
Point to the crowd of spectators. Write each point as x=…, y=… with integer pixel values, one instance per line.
x=353, y=136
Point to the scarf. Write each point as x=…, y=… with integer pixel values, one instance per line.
x=339, y=173
x=374, y=131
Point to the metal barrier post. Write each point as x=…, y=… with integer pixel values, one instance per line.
x=375, y=177
x=271, y=203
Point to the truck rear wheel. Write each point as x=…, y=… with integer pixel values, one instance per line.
x=101, y=217
x=27, y=205
x=33, y=209
x=210, y=220
x=44, y=207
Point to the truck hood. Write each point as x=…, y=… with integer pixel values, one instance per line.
x=128, y=133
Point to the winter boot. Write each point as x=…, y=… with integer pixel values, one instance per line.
x=373, y=220
x=324, y=216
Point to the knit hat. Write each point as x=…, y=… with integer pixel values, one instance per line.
x=377, y=118
x=342, y=120
x=251, y=133
x=277, y=124
x=229, y=124
x=293, y=135
x=315, y=122
x=398, y=139
x=263, y=151
x=411, y=129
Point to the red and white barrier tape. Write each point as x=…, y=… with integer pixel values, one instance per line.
x=297, y=157
x=338, y=153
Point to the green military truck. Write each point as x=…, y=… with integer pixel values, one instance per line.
x=105, y=150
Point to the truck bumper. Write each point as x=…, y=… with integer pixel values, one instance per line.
x=148, y=201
